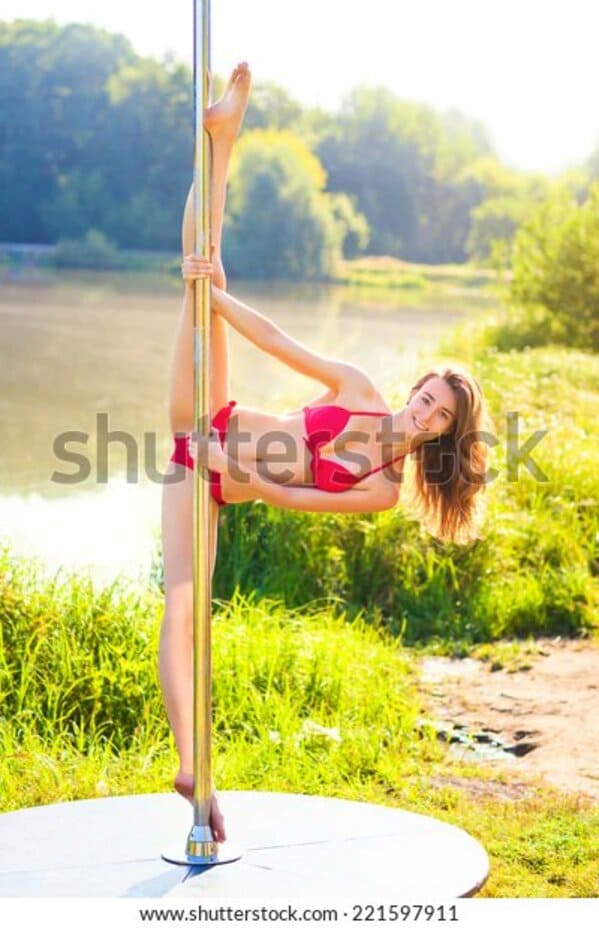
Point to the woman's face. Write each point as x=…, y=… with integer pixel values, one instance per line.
x=432, y=410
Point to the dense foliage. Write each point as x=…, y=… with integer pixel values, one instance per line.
x=95, y=137
x=92, y=136
x=556, y=269
x=281, y=221
x=403, y=162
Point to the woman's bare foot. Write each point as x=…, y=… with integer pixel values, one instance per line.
x=226, y=115
x=184, y=786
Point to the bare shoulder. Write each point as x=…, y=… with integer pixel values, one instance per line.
x=355, y=380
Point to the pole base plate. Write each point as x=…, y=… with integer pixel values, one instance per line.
x=176, y=854
x=294, y=846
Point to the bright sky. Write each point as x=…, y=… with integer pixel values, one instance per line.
x=529, y=69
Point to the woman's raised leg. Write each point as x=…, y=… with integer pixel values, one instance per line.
x=222, y=120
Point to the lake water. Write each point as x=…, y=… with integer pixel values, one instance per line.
x=84, y=353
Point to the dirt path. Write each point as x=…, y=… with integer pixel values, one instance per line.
x=549, y=713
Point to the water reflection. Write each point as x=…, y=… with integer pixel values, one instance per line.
x=106, y=534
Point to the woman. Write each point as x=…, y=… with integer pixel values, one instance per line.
x=343, y=452
x=349, y=424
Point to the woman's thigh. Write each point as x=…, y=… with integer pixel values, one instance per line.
x=177, y=535
x=219, y=364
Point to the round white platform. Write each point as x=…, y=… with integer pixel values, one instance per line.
x=292, y=845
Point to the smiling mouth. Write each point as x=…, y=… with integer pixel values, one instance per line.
x=419, y=427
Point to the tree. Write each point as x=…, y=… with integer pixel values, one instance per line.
x=271, y=107
x=556, y=267
x=353, y=226
x=53, y=99
x=400, y=161
x=94, y=137
x=280, y=221
x=502, y=200
x=149, y=127
x=493, y=225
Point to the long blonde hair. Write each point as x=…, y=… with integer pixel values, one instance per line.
x=448, y=473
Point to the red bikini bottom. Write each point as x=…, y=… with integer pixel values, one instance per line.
x=181, y=454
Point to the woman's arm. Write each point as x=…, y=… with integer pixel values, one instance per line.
x=374, y=494
x=270, y=338
x=373, y=497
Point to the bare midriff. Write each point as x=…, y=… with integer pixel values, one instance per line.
x=274, y=446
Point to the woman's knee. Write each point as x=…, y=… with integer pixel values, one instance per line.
x=178, y=605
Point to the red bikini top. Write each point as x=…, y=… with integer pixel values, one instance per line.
x=323, y=424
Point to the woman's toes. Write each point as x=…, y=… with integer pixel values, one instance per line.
x=217, y=823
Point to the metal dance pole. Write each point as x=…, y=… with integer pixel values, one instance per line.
x=200, y=842
x=201, y=847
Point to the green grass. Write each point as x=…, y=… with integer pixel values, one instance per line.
x=303, y=702
x=388, y=273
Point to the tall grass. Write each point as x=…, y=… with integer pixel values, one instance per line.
x=304, y=701
x=292, y=689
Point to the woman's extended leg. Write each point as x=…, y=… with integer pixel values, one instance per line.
x=176, y=637
x=175, y=661
x=223, y=121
